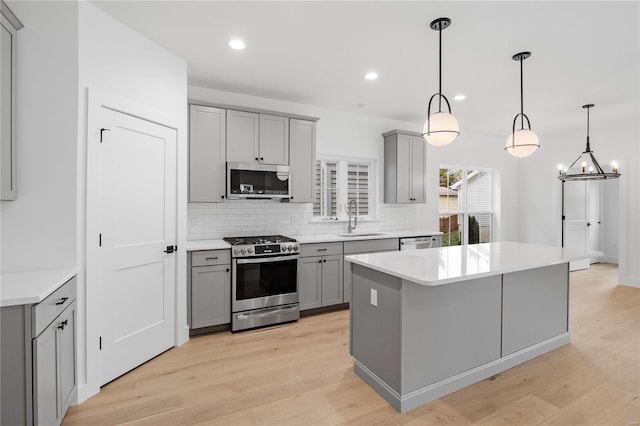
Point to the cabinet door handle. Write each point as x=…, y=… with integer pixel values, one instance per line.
x=325, y=260
x=324, y=249
x=256, y=158
x=320, y=261
x=227, y=270
x=211, y=258
x=222, y=196
x=62, y=325
x=61, y=301
x=261, y=159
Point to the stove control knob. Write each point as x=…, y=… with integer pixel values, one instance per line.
x=250, y=250
x=236, y=250
x=243, y=250
x=295, y=247
x=290, y=248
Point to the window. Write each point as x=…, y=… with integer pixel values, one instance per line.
x=339, y=181
x=465, y=204
x=326, y=193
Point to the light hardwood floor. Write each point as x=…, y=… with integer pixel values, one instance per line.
x=302, y=374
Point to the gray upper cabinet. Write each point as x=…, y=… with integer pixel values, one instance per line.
x=303, y=158
x=274, y=139
x=404, y=168
x=257, y=137
x=243, y=136
x=207, y=146
x=8, y=73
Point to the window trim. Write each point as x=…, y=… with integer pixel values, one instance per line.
x=342, y=188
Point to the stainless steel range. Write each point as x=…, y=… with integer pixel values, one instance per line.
x=264, y=279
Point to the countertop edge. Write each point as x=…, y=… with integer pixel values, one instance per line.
x=55, y=277
x=431, y=283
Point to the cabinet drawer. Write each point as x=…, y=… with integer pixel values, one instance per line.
x=371, y=246
x=46, y=311
x=320, y=249
x=210, y=257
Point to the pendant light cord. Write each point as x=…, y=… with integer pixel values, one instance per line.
x=521, y=95
x=588, y=144
x=440, y=68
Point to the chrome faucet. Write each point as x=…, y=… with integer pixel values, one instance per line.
x=351, y=228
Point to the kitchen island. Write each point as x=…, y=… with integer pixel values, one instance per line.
x=425, y=323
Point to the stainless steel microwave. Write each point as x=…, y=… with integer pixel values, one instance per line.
x=254, y=180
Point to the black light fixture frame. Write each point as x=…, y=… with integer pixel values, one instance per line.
x=439, y=25
x=599, y=174
x=521, y=56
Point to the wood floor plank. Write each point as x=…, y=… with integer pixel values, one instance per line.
x=302, y=374
x=528, y=410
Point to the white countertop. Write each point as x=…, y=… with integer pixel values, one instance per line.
x=219, y=244
x=24, y=288
x=444, y=265
x=216, y=244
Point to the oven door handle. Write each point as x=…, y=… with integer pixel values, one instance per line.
x=266, y=259
x=266, y=313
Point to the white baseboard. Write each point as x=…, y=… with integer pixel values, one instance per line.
x=630, y=282
x=411, y=400
x=86, y=391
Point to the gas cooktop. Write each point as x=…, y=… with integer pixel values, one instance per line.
x=262, y=239
x=263, y=245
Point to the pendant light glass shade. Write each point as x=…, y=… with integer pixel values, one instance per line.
x=522, y=142
x=586, y=167
x=525, y=145
x=441, y=127
x=444, y=129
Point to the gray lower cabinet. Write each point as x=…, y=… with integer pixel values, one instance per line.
x=38, y=380
x=364, y=247
x=210, y=288
x=320, y=275
x=303, y=158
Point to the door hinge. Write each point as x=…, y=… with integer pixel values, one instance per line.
x=100, y=343
x=99, y=240
x=102, y=131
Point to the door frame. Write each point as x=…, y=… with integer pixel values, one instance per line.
x=89, y=207
x=588, y=194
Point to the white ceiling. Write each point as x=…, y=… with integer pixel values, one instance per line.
x=318, y=52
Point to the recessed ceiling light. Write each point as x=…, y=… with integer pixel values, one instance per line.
x=237, y=44
x=459, y=97
x=371, y=76
x=358, y=105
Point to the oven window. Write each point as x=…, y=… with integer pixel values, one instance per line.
x=266, y=279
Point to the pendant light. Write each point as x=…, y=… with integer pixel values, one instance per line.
x=588, y=167
x=441, y=128
x=522, y=142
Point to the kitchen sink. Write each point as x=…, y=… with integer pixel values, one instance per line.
x=357, y=234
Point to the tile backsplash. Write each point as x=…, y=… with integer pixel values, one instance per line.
x=257, y=217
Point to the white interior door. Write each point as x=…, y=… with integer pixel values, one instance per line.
x=582, y=219
x=138, y=222
x=594, y=189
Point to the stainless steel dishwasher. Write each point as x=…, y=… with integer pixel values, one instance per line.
x=416, y=243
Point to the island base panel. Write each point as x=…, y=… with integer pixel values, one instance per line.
x=406, y=402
